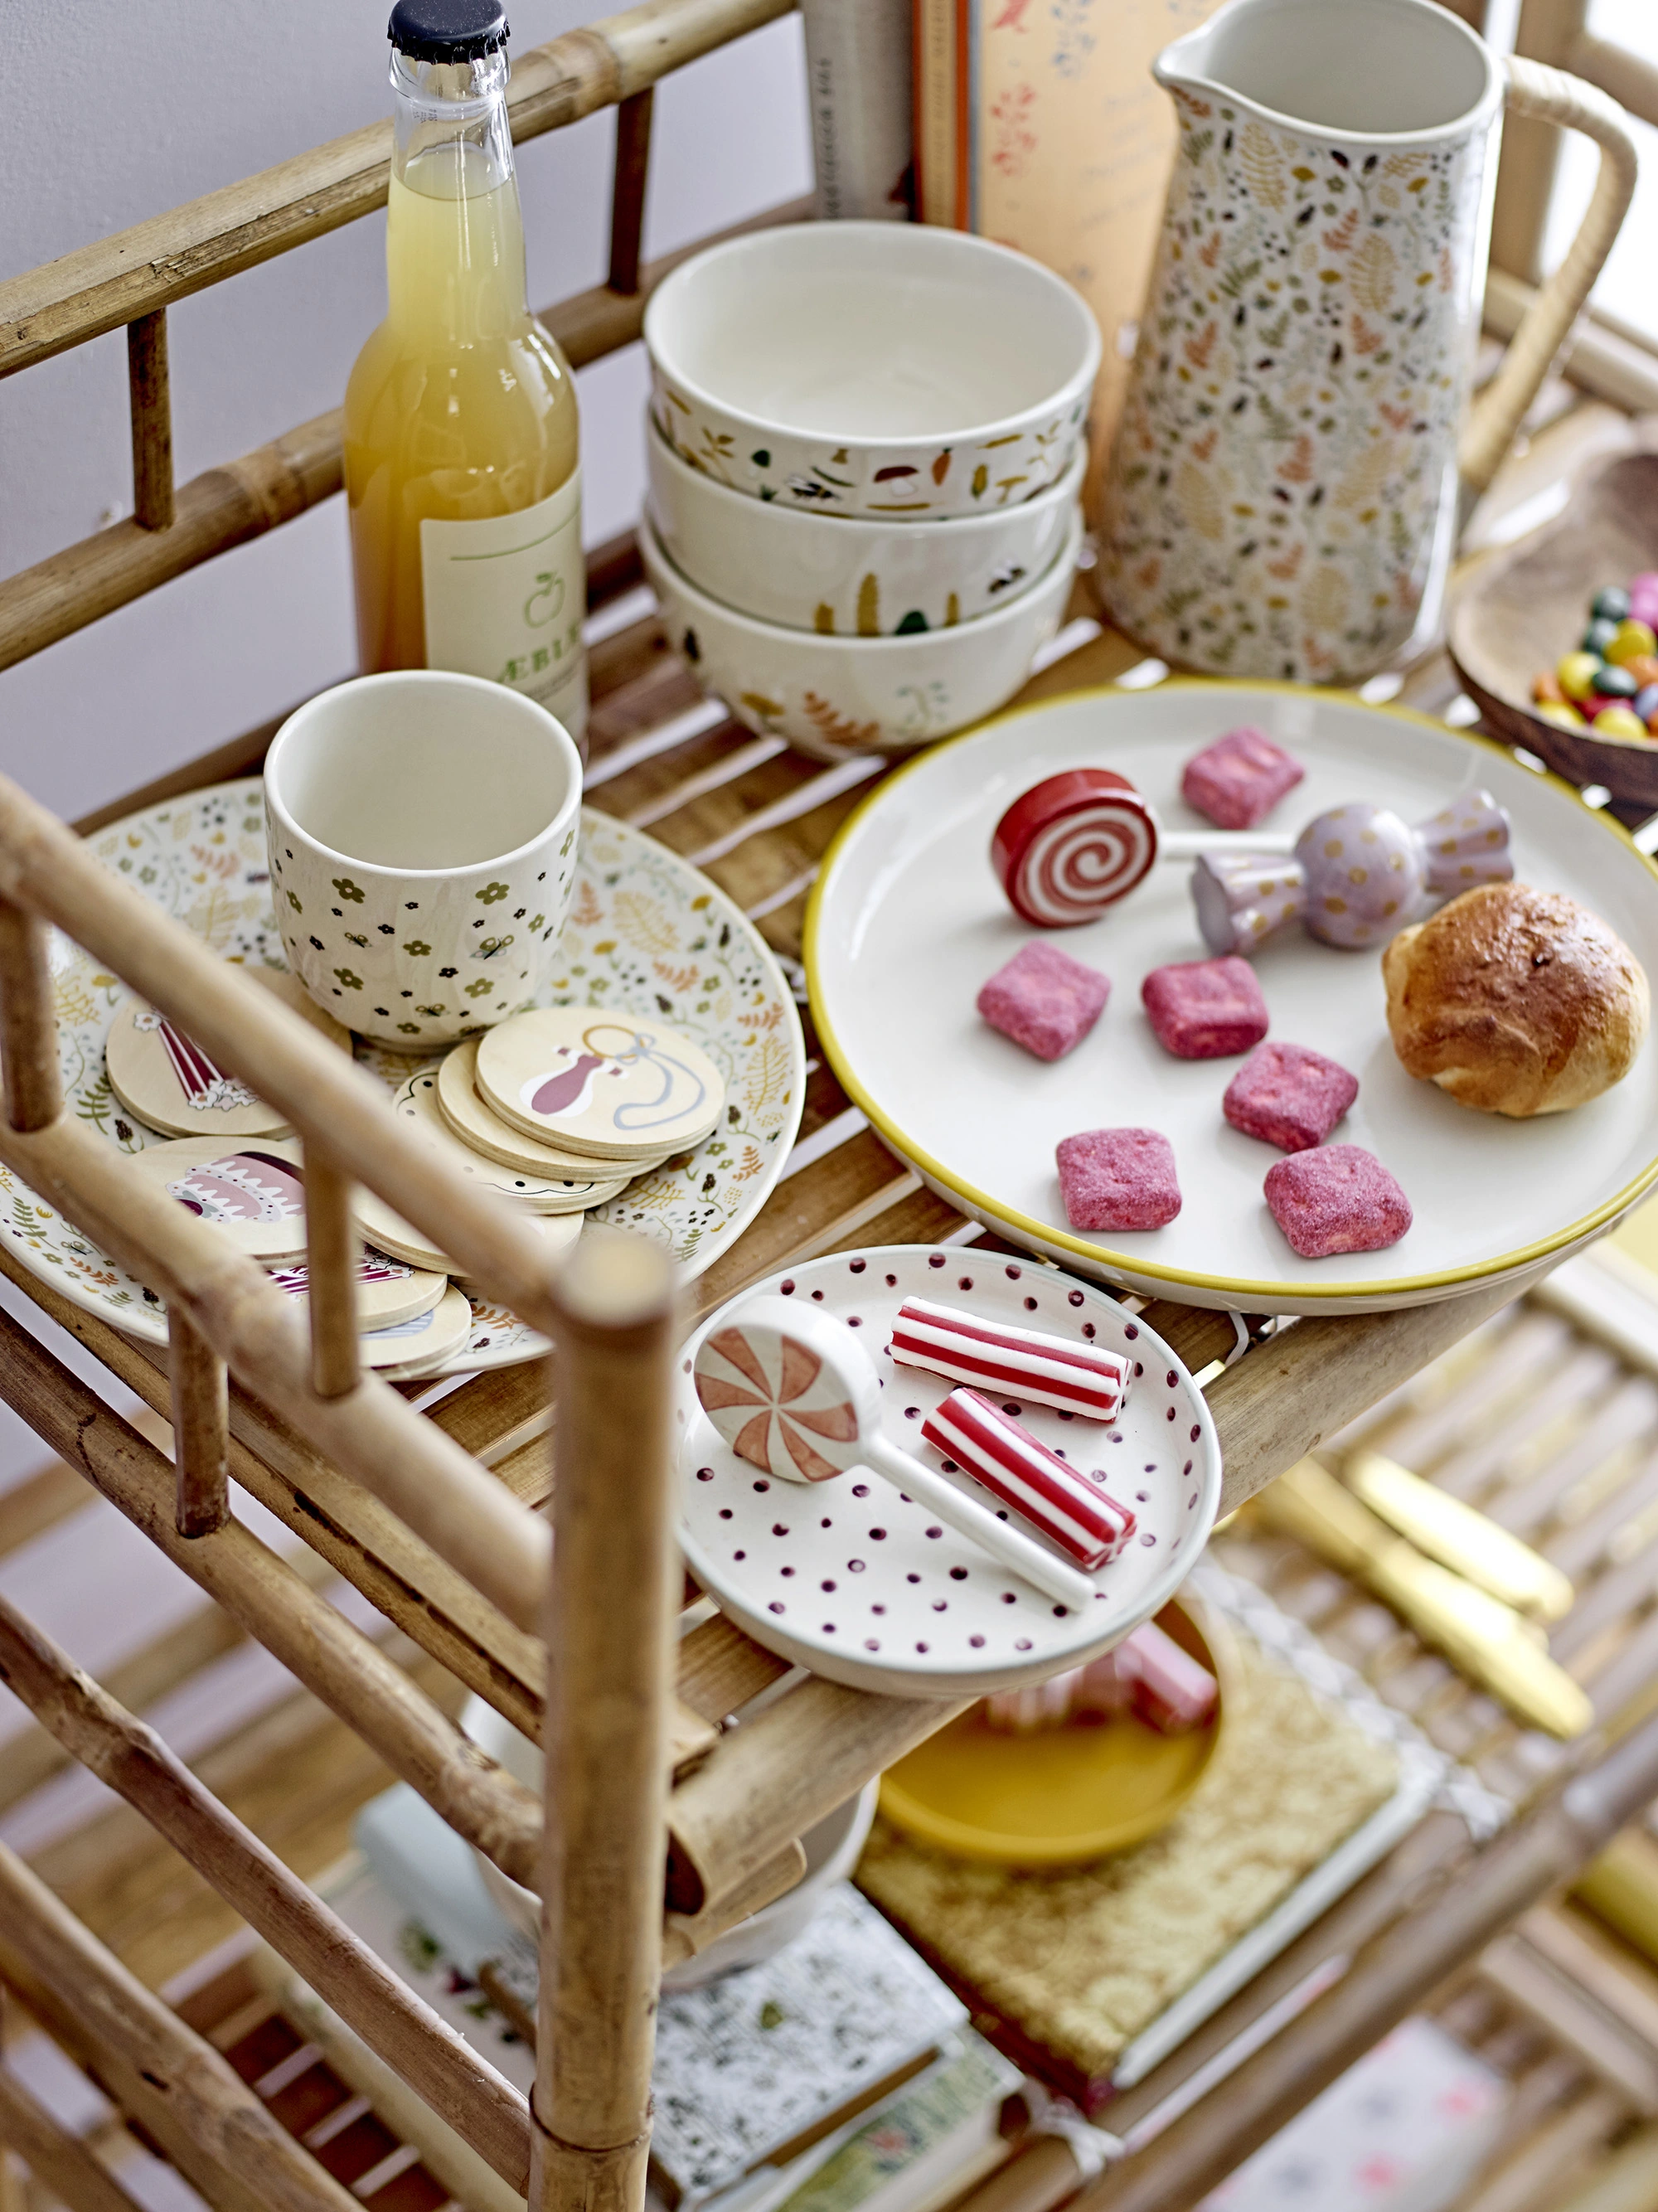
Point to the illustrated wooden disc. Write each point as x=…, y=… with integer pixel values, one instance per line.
x=417, y=1102
x=557, y=1232
x=388, y=1290
x=423, y=1337
x=613, y=1085
x=477, y=1125
x=254, y=1192
x=386, y=1228
x=166, y=1080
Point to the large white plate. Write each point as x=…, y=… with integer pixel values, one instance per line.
x=647, y=931
x=907, y=921
x=848, y=1578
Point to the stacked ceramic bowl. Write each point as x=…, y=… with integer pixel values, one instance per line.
x=866, y=452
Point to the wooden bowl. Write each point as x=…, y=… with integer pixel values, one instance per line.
x=1530, y=604
x=1061, y=1795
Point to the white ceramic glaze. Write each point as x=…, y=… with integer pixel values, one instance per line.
x=645, y=930
x=422, y=831
x=1285, y=472
x=914, y=1610
x=834, y=695
x=843, y=575
x=890, y=369
x=907, y=922
x=831, y=1847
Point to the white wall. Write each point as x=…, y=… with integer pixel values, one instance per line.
x=111, y=111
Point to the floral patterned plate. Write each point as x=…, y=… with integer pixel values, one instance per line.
x=645, y=932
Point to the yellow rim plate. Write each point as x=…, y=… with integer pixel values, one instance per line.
x=930, y=823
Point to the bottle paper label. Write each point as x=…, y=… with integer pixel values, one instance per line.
x=504, y=598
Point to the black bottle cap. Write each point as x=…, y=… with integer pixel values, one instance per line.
x=447, y=30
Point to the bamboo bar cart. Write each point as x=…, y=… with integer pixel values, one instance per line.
x=662, y=1826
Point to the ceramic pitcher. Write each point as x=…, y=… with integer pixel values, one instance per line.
x=1296, y=445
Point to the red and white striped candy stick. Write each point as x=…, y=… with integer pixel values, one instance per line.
x=1078, y=1378
x=794, y=1391
x=1003, y=1455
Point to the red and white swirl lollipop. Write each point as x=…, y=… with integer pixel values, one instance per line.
x=794, y=1393
x=1074, y=845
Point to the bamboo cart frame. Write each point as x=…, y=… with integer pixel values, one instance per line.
x=659, y=1828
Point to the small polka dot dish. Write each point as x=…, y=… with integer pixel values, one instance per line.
x=866, y=1587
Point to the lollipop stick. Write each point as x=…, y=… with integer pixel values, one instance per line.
x=1193, y=844
x=979, y=1524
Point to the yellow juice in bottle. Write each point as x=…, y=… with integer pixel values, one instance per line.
x=460, y=424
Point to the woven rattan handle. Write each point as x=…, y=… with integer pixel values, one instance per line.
x=1550, y=95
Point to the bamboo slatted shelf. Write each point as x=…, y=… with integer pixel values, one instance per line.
x=657, y=1834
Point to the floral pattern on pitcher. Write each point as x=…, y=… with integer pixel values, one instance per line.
x=1287, y=454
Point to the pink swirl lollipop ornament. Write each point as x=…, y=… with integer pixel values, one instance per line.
x=794, y=1393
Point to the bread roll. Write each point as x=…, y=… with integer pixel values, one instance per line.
x=1514, y=1001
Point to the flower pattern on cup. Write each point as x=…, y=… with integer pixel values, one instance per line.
x=1288, y=443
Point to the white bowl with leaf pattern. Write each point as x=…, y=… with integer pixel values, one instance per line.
x=846, y=576
x=893, y=369
x=645, y=932
x=833, y=695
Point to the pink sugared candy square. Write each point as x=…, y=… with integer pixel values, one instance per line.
x=1239, y=779
x=1118, y=1179
x=1204, y=1009
x=1336, y=1198
x=1288, y=1096
x=1044, y=1000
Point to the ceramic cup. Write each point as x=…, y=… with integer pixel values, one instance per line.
x=422, y=827
x=844, y=577
x=891, y=369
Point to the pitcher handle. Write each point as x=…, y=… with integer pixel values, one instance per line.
x=1550, y=95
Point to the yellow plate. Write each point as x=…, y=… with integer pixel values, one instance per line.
x=1062, y=1794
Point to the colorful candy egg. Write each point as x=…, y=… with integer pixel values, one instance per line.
x=1618, y=721
x=1577, y=672
x=1632, y=641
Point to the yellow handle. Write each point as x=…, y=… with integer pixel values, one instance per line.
x=1459, y=1536
x=1550, y=95
x=1489, y=1641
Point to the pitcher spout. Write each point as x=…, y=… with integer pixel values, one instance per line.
x=1185, y=64
x=1383, y=73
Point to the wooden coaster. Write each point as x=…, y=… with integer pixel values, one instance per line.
x=614, y=1086
x=377, y=1221
x=433, y=1334
x=166, y=1081
x=417, y=1102
x=254, y=1192
x=557, y=1232
x=381, y=1224
x=481, y=1129
x=388, y=1290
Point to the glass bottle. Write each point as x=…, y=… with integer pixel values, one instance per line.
x=462, y=462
